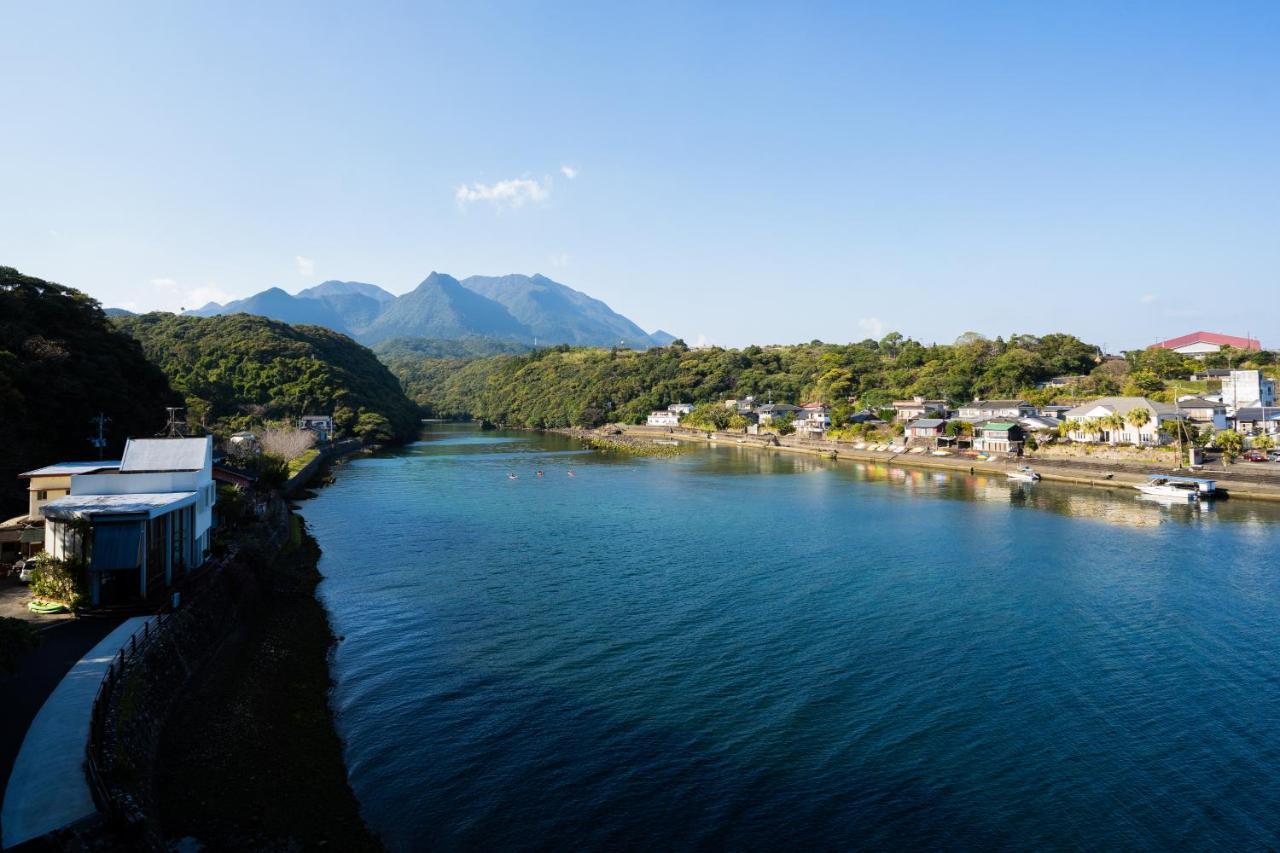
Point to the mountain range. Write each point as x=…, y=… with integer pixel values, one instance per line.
x=525, y=309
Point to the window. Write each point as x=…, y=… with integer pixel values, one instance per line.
x=42, y=495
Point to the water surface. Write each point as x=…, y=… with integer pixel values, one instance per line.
x=747, y=650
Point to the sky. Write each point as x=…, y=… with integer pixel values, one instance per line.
x=733, y=173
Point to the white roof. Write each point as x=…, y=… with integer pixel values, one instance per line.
x=65, y=469
x=165, y=454
x=150, y=504
x=1121, y=405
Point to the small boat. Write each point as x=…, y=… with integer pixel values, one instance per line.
x=1180, y=488
x=513, y=476
x=1025, y=474
x=38, y=606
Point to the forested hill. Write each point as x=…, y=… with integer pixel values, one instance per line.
x=239, y=369
x=585, y=387
x=62, y=363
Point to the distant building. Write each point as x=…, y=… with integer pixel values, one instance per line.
x=998, y=437
x=771, y=413
x=1247, y=389
x=1147, y=434
x=812, y=420
x=1202, y=411
x=680, y=408
x=53, y=481
x=1056, y=412
x=995, y=409
x=1257, y=421
x=321, y=425
x=663, y=417
x=1062, y=382
x=1204, y=343
x=925, y=428
x=1210, y=373
x=918, y=407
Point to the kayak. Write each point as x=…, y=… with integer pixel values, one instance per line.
x=38, y=606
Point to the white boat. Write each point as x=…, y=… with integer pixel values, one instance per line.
x=1181, y=488
x=1025, y=474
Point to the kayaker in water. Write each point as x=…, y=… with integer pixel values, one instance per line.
x=571, y=474
x=512, y=476
x=539, y=473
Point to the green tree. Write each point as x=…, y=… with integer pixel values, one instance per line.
x=1230, y=443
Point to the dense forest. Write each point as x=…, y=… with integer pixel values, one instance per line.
x=62, y=363
x=563, y=386
x=240, y=370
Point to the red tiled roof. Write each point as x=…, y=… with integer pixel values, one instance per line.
x=1209, y=338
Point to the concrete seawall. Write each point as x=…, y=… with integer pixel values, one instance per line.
x=1118, y=476
x=326, y=455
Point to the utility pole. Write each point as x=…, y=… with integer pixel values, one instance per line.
x=100, y=440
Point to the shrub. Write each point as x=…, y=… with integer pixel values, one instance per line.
x=286, y=443
x=57, y=580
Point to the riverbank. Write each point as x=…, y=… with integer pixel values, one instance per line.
x=251, y=758
x=1245, y=484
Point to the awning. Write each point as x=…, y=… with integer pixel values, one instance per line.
x=116, y=546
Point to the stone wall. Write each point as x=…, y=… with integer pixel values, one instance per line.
x=151, y=673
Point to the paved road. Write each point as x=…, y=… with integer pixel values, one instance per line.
x=39, y=672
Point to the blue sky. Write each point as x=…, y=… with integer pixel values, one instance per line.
x=733, y=173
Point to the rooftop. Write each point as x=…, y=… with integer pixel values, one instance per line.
x=165, y=454
x=927, y=423
x=66, y=469
x=89, y=506
x=1122, y=405
x=1209, y=338
x=996, y=404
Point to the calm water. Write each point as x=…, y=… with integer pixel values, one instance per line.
x=731, y=649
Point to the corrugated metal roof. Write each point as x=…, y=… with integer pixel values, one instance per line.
x=70, y=506
x=165, y=454
x=66, y=469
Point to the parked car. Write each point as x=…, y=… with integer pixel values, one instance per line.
x=1274, y=456
x=1255, y=456
x=24, y=568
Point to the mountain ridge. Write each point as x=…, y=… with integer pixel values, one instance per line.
x=532, y=310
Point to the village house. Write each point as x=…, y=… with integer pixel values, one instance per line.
x=663, y=418
x=929, y=429
x=1062, y=382
x=1243, y=389
x=772, y=413
x=1056, y=412
x=812, y=420
x=321, y=425
x=919, y=407
x=140, y=525
x=983, y=410
x=1098, y=411
x=1210, y=374
x=1257, y=421
x=998, y=437
x=1202, y=411
x=23, y=535
x=1200, y=344
x=680, y=408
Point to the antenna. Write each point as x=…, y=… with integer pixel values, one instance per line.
x=100, y=440
x=175, y=428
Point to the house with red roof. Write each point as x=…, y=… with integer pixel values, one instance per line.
x=1203, y=343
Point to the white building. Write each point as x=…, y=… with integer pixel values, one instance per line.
x=663, y=418
x=1247, y=389
x=812, y=420
x=680, y=408
x=919, y=407
x=991, y=410
x=1147, y=434
x=1200, y=344
x=140, y=525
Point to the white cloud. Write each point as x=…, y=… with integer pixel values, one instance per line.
x=513, y=193
x=1148, y=298
x=168, y=295
x=559, y=259
x=569, y=172
x=872, y=326
x=306, y=266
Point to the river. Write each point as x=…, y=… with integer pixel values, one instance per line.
x=736, y=649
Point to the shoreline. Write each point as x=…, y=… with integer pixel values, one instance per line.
x=251, y=756
x=1055, y=470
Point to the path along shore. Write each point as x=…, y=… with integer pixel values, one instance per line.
x=1242, y=483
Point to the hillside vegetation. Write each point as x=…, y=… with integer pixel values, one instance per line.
x=584, y=387
x=238, y=370
x=62, y=363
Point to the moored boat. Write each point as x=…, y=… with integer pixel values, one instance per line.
x=1183, y=488
x=1025, y=474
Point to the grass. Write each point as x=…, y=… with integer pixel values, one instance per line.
x=297, y=463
